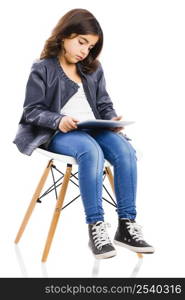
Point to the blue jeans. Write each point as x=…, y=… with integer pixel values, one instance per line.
x=90, y=147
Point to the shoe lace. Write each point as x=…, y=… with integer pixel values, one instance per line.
x=135, y=230
x=100, y=235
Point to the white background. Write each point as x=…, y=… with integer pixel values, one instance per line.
x=144, y=64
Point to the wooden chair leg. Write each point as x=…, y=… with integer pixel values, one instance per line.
x=33, y=201
x=140, y=255
x=111, y=180
x=56, y=213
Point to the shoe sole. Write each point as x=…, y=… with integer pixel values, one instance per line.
x=146, y=250
x=106, y=255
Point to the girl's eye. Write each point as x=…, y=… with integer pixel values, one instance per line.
x=81, y=43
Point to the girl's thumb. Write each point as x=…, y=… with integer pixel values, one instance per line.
x=75, y=120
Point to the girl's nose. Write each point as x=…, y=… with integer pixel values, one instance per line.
x=84, y=51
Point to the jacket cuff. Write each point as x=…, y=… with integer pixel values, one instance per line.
x=109, y=115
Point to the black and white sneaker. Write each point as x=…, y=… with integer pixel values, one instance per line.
x=129, y=235
x=99, y=241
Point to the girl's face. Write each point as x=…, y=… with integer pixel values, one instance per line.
x=77, y=48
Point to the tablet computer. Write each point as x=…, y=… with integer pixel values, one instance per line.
x=102, y=123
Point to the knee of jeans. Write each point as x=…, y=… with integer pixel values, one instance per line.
x=92, y=151
x=132, y=151
x=127, y=151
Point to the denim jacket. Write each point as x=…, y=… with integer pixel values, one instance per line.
x=47, y=90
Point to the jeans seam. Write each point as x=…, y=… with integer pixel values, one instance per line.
x=53, y=142
x=131, y=167
x=130, y=164
x=97, y=185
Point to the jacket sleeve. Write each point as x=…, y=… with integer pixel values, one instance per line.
x=36, y=111
x=103, y=101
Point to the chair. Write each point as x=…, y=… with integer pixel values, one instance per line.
x=69, y=161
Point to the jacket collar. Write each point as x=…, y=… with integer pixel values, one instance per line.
x=79, y=68
x=63, y=74
x=78, y=64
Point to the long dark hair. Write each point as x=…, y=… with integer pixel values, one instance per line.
x=76, y=21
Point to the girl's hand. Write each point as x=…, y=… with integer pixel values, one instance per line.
x=67, y=123
x=117, y=129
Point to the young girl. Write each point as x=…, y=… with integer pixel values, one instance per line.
x=65, y=86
